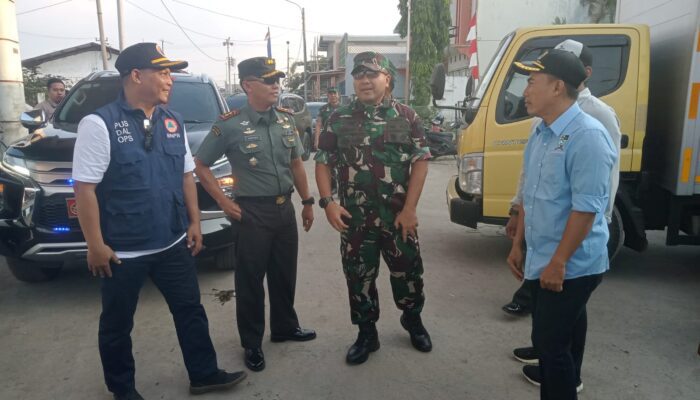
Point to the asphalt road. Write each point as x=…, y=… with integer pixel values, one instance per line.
x=644, y=327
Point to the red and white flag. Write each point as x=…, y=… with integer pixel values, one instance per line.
x=472, y=54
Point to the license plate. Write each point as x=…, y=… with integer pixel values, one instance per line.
x=72, y=208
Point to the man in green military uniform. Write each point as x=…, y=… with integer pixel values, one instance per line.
x=325, y=111
x=263, y=147
x=378, y=147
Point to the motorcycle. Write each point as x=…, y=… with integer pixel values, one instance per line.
x=440, y=141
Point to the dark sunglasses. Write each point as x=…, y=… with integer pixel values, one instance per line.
x=366, y=72
x=268, y=81
x=148, y=133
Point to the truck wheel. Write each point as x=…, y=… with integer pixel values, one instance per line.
x=617, y=234
x=306, y=141
x=32, y=271
x=225, y=259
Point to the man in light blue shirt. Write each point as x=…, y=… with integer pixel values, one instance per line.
x=568, y=162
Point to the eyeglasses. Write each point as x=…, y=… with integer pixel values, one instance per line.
x=366, y=72
x=275, y=80
x=148, y=133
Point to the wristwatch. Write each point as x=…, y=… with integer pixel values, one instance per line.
x=513, y=211
x=325, y=201
x=309, y=202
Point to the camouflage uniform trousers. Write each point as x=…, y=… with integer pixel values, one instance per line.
x=360, y=247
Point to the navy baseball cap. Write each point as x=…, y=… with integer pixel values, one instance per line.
x=561, y=64
x=259, y=67
x=145, y=56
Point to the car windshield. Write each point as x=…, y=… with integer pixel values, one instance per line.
x=195, y=101
x=313, y=108
x=236, y=101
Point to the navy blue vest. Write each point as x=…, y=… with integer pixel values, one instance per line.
x=141, y=198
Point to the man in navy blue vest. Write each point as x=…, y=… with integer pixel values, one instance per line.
x=138, y=210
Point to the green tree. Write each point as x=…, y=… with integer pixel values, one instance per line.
x=430, y=24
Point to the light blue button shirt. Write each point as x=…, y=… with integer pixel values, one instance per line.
x=567, y=168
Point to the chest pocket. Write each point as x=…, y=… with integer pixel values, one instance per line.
x=175, y=155
x=251, y=152
x=132, y=168
x=553, y=173
x=289, y=139
x=398, y=131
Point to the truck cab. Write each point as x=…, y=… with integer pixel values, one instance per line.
x=492, y=144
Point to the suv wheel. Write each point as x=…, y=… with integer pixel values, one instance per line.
x=32, y=271
x=306, y=141
x=225, y=259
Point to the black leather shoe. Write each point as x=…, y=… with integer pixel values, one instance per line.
x=255, y=359
x=367, y=342
x=420, y=339
x=298, y=335
x=221, y=380
x=130, y=395
x=516, y=309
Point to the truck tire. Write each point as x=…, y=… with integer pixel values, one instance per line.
x=32, y=271
x=225, y=259
x=617, y=234
x=307, y=142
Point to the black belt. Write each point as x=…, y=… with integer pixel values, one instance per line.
x=279, y=200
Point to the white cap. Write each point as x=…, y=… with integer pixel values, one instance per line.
x=571, y=46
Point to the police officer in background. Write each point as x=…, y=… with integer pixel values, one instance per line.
x=264, y=149
x=137, y=207
x=378, y=147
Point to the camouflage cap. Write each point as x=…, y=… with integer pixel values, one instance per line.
x=332, y=89
x=375, y=62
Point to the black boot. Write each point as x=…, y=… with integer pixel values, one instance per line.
x=367, y=342
x=420, y=339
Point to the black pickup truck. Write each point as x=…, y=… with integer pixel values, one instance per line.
x=39, y=229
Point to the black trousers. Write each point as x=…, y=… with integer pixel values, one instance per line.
x=559, y=325
x=173, y=272
x=523, y=296
x=267, y=244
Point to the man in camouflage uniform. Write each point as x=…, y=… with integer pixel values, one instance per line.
x=378, y=147
x=325, y=111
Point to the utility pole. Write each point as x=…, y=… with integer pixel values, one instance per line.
x=303, y=34
x=11, y=80
x=287, y=59
x=407, y=83
x=120, y=23
x=103, y=46
x=228, y=45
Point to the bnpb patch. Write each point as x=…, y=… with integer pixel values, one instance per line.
x=170, y=125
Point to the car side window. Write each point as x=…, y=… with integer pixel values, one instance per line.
x=298, y=105
x=610, y=60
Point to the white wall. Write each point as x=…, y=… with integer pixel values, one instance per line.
x=75, y=67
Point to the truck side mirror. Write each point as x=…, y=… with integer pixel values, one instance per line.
x=437, y=82
x=33, y=120
x=469, y=90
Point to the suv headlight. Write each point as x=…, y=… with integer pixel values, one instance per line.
x=222, y=171
x=16, y=165
x=471, y=173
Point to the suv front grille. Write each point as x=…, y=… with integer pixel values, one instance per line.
x=52, y=212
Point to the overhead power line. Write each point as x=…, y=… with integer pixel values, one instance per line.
x=185, y=32
x=240, y=18
x=154, y=15
x=44, y=7
x=57, y=37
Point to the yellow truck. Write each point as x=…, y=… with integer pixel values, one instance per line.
x=648, y=70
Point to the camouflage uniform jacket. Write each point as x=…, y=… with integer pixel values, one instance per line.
x=325, y=111
x=372, y=148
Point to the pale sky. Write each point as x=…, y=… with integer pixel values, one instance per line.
x=75, y=22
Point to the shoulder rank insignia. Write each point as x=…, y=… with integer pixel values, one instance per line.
x=229, y=115
x=216, y=130
x=284, y=110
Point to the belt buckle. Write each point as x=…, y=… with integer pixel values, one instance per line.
x=279, y=200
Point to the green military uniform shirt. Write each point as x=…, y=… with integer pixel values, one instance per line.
x=372, y=148
x=260, y=148
x=325, y=111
